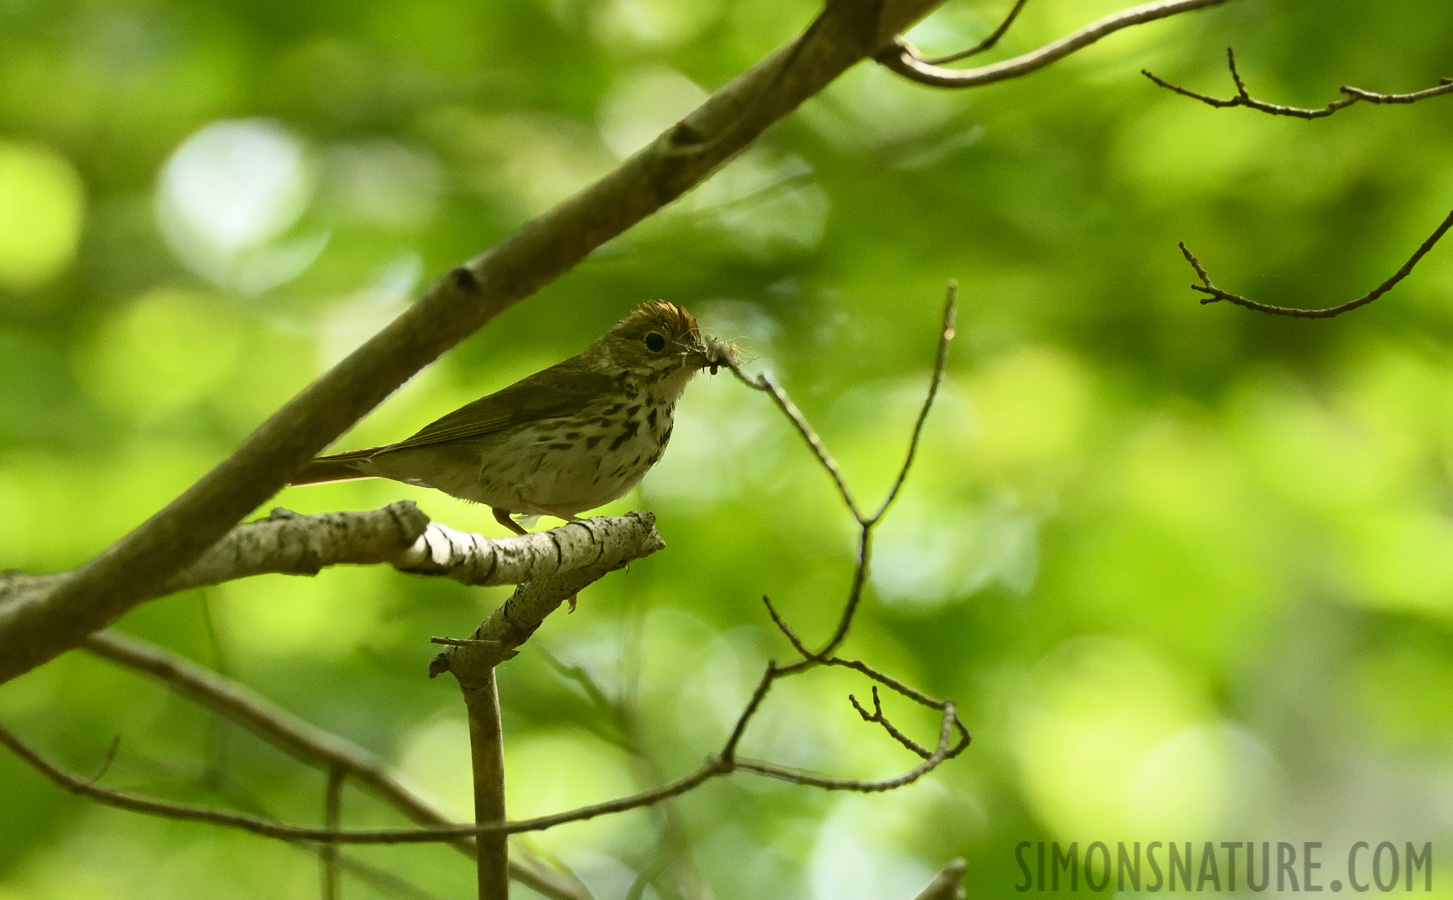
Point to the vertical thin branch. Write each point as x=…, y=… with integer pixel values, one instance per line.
x=486, y=752
x=332, y=814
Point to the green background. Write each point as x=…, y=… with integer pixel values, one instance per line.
x=1187, y=571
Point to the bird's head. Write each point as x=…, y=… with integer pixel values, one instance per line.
x=657, y=340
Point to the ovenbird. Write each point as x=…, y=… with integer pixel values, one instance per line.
x=564, y=440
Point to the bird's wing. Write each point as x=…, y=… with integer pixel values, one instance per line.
x=563, y=389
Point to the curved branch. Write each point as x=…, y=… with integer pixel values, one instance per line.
x=904, y=59
x=986, y=44
x=134, y=802
x=945, y=750
x=1214, y=294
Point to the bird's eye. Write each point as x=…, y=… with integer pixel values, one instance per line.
x=655, y=342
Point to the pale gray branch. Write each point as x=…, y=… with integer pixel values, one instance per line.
x=399, y=535
x=613, y=545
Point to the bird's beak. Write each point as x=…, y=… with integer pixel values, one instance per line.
x=716, y=353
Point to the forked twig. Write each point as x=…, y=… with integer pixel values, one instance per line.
x=1244, y=98
x=946, y=748
x=877, y=716
x=1214, y=294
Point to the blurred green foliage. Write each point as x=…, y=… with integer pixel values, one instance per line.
x=1188, y=571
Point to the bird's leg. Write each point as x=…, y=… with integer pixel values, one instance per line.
x=503, y=517
x=558, y=514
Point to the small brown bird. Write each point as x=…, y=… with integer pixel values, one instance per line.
x=564, y=440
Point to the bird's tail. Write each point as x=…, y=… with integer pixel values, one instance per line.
x=338, y=467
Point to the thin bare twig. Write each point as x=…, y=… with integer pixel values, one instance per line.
x=134, y=802
x=855, y=594
x=1214, y=294
x=877, y=716
x=729, y=749
x=786, y=629
x=948, y=884
x=905, y=60
x=983, y=45
x=940, y=364
x=946, y=749
x=1243, y=97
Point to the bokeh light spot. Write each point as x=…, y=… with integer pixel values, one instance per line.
x=643, y=105
x=42, y=205
x=1093, y=745
x=163, y=352
x=230, y=190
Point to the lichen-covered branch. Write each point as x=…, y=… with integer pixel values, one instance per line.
x=399, y=535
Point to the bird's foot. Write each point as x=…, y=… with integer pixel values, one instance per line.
x=503, y=517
